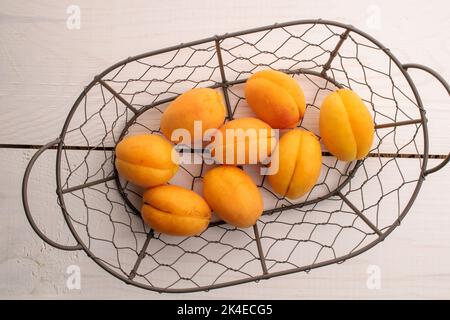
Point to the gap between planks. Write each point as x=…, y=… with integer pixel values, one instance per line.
x=324, y=153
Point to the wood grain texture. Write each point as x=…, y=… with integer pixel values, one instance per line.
x=44, y=66
x=413, y=260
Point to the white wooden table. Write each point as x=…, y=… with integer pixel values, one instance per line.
x=45, y=64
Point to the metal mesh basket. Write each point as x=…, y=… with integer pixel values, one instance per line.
x=354, y=205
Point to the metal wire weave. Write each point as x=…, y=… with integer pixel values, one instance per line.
x=353, y=206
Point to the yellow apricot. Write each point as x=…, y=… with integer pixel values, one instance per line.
x=243, y=141
x=146, y=160
x=199, y=104
x=175, y=211
x=346, y=126
x=233, y=196
x=299, y=158
x=276, y=98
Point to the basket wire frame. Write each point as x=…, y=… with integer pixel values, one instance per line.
x=343, y=216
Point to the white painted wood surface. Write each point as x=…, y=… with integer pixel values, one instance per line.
x=44, y=66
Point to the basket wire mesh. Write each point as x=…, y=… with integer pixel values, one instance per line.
x=354, y=205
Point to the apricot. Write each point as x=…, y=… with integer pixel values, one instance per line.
x=346, y=126
x=146, y=160
x=276, y=98
x=199, y=104
x=243, y=141
x=175, y=210
x=233, y=196
x=299, y=159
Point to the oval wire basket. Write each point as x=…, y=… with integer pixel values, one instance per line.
x=354, y=205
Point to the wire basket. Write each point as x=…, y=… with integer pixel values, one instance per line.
x=354, y=205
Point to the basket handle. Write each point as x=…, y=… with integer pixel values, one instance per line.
x=444, y=83
x=27, y=208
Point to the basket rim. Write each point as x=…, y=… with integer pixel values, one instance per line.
x=218, y=38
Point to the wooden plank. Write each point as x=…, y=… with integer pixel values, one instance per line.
x=413, y=260
x=45, y=65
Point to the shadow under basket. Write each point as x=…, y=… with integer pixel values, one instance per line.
x=354, y=205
